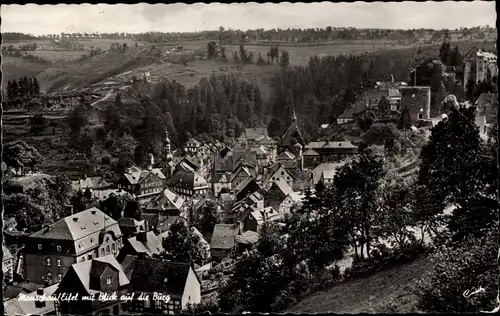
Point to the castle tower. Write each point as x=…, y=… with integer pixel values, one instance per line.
x=168, y=153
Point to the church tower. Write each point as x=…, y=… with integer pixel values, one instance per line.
x=168, y=166
x=292, y=132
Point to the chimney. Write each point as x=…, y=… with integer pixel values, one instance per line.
x=142, y=236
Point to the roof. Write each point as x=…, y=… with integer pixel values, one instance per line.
x=253, y=133
x=240, y=170
x=249, y=238
x=102, y=195
x=328, y=174
x=152, y=245
x=16, y=306
x=193, y=143
x=230, y=161
x=224, y=236
x=6, y=253
x=89, y=183
x=85, y=269
x=168, y=200
x=162, y=276
x=77, y=226
x=286, y=155
x=311, y=152
x=394, y=93
x=135, y=175
x=242, y=186
x=316, y=145
x=339, y=144
x=318, y=171
x=187, y=179
x=283, y=186
x=11, y=291
x=268, y=213
x=227, y=197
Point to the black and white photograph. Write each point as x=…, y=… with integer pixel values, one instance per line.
x=250, y=158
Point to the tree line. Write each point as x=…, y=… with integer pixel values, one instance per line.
x=22, y=88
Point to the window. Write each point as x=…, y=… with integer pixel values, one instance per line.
x=102, y=252
x=83, y=259
x=89, y=257
x=58, y=262
x=49, y=277
x=158, y=304
x=59, y=248
x=108, y=281
x=420, y=116
x=59, y=277
x=48, y=262
x=282, y=173
x=147, y=304
x=107, y=249
x=92, y=240
x=113, y=249
x=39, y=246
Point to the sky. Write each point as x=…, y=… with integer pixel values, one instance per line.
x=141, y=17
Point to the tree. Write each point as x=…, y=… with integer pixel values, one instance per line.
x=458, y=271
x=38, y=123
x=114, y=205
x=36, y=86
x=78, y=119
x=405, y=119
x=181, y=245
x=260, y=60
x=19, y=155
x=211, y=50
x=132, y=210
x=427, y=208
x=207, y=217
x=284, y=59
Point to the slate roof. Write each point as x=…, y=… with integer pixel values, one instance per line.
x=135, y=175
x=253, y=133
x=168, y=200
x=286, y=155
x=152, y=245
x=87, y=222
x=16, y=306
x=311, y=152
x=130, y=226
x=193, y=143
x=248, y=238
x=239, y=171
x=339, y=144
x=162, y=276
x=224, y=236
x=266, y=214
x=394, y=93
x=85, y=269
x=187, y=179
x=230, y=161
x=283, y=186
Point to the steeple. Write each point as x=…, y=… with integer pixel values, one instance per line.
x=294, y=117
x=168, y=154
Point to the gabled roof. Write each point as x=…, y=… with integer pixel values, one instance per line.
x=168, y=200
x=224, y=236
x=242, y=186
x=339, y=144
x=135, y=175
x=311, y=152
x=193, y=143
x=267, y=214
x=286, y=155
x=84, y=270
x=394, y=93
x=187, y=179
x=152, y=245
x=328, y=174
x=253, y=133
x=240, y=170
x=16, y=306
x=161, y=276
x=315, y=145
x=89, y=183
x=283, y=186
x=318, y=171
x=102, y=195
x=77, y=226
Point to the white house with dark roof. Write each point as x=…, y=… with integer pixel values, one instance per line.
x=188, y=184
x=79, y=237
x=279, y=172
x=192, y=146
x=103, y=275
x=168, y=203
x=220, y=182
x=254, y=220
x=144, y=184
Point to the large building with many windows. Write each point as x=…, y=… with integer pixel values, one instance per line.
x=50, y=252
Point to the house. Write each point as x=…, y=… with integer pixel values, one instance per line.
x=93, y=278
x=240, y=175
x=229, y=162
x=227, y=200
x=487, y=105
x=91, y=183
x=103, y=195
x=50, y=252
x=281, y=197
x=221, y=182
x=279, y=172
x=478, y=65
x=263, y=156
x=330, y=151
x=287, y=160
x=145, y=243
x=188, y=184
x=246, y=188
x=178, y=281
x=192, y=146
x=7, y=265
x=317, y=173
x=237, y=212
x=167, y=204
x=160, y=223
x=311, y=158
x=248, y=139
x=246, y=240
x=269, y=144
x=24, y=287
x=189, y=163
x=327, y=176
x=131, y=227
x=223, y=241
x=26, y=304
x=144, y=184
x=418, y=101
x=255, y=219
x=292, y=134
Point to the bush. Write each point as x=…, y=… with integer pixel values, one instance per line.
x=458, y=268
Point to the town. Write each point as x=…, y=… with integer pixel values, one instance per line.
x=136, y=194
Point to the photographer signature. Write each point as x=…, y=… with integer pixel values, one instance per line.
x=469, y=293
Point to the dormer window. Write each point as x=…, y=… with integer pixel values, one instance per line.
x=59, y=249
x=39, y=246
x=58, y=262
x=59, y=277
x=48, y=262
x=108, y=281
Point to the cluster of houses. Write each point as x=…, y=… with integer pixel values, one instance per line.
x=252, y=181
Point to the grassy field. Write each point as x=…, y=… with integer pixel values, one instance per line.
x=388, y=291
x=13, y=68
x=104, y=44
x=57, y=56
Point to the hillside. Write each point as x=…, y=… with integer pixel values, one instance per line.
x=388, y=291
x=15, y=67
